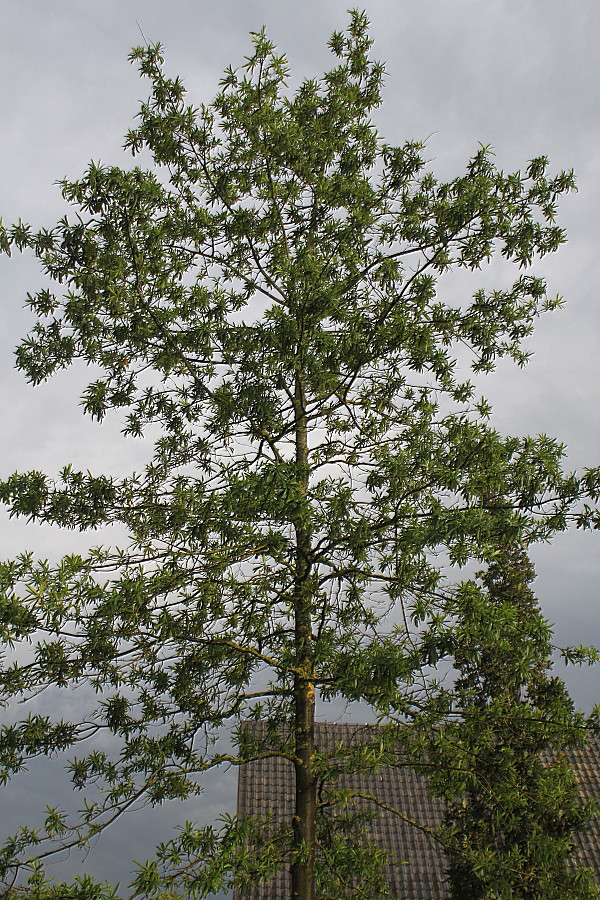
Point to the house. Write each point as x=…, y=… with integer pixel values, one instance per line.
x=266, y=786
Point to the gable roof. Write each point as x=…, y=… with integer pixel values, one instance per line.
x=266, y=786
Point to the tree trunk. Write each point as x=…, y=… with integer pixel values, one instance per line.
x=304, y=822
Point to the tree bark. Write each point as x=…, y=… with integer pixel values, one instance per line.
x=304, y=821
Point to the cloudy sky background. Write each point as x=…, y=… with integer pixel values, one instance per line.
x=521, y=75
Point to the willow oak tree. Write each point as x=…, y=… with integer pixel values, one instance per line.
x=264, y=297
x=495, y=750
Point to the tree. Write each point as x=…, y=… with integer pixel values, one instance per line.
x=264, y=298
x=496, y=758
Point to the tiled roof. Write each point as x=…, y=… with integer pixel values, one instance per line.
x=585, y=762
x=266, y=786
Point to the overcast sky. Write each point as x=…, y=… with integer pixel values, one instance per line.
x=521, y=75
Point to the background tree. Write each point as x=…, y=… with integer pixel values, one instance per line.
x=496, y=759
x=262, y=302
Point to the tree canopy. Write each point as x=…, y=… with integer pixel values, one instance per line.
x=495, y=752
x=262, y=302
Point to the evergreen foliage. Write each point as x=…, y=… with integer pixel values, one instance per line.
x=497, y=760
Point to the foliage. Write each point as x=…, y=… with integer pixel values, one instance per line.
x=498, y=757
x=263, y=303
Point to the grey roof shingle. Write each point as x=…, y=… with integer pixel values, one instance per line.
x=266, y=786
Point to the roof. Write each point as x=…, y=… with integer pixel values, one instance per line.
x=266, y=786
